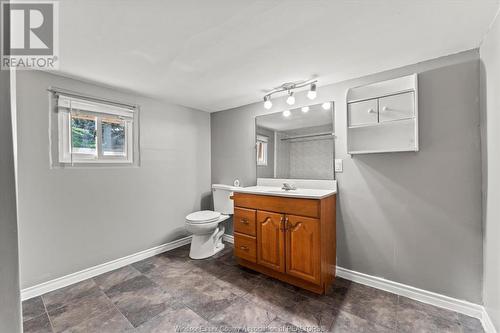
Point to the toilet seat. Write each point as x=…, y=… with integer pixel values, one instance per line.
x=203, y=216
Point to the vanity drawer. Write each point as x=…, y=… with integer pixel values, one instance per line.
x=244, y=221
x=363, y=113
x=396, y=107
x=285, y=205
x=245, y=247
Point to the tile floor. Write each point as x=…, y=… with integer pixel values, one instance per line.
x=170, y=292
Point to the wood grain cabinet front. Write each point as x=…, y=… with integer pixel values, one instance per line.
x=245, y=247
x=244, y=221
x=303, y=247
x=274, y=240
x=270, y=240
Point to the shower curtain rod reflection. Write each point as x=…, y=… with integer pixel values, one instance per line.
x=325, y=135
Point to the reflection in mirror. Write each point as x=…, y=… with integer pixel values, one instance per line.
x=296, y=144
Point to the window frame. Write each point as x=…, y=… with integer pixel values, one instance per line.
x=100, y=111
x=264, y=140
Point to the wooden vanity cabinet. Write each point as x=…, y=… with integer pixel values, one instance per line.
x=291, y=239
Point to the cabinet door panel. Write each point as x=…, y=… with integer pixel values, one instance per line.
x=397, y=107
x=303, y=247
x=270, y=240
x=363, y=113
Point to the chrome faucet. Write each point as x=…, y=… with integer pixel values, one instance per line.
x=288, y=187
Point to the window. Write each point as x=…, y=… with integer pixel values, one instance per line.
x=262, y=150
x=94, y=132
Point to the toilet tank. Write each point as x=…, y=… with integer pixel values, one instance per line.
x=222, y=203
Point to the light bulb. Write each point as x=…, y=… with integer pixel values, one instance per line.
x=311, y=94
x=305, y=109
x=290, y=99
x=267, y=102
x=325, y=105
x=287, y=113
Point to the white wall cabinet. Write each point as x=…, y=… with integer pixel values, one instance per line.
x=383, y=116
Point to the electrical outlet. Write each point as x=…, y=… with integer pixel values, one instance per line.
x=338, y=165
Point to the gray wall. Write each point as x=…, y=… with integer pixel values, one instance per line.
x=490, y=107
x=10, y=305
x=72, y=219
x=413, y=218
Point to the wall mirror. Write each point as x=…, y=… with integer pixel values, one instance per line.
x=297, y=143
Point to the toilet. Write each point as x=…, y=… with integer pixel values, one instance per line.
x=207, y=226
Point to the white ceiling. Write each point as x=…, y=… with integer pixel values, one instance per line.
x=218, y=54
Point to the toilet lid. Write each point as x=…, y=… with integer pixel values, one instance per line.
x=203, y=216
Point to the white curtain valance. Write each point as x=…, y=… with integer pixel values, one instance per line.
x=262, y=138
x=72, y=103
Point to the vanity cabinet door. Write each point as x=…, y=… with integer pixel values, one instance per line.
x=303, y=247
x=270, y=240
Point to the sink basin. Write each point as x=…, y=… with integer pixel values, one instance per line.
x=282, y=191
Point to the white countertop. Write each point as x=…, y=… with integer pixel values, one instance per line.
x=306, y=193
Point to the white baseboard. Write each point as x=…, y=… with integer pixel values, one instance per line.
x=487, y=323
x=228, y=238
x=421, y=295
x=88, y=273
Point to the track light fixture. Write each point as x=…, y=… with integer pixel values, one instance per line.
x=289, y=87
x=326, y=105
x=267, y=102
x=311, y=94
x=290, y=100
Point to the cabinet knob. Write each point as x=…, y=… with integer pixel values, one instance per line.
x=244, y=221
x=244, y=248
x=385, y=108
x=371, y=111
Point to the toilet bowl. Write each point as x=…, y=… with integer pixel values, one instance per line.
x=207, y=226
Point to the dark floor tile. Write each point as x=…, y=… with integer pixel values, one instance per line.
x=39, y=324
x=345, y=322
x=280, y=325
x=470, y=324
x=111, y=321
x=180, y=281
x=243, y=314
x=413, y=316
x=408, y=303
x=32, y=308
x=239, y=280
x=164, y=273
x=139, y=299
x=60, y=297
x=273, y=296
x=148, y=265
x=212, y=267
x=376, y=306
x=80, y=309
x=228, y=258
x=309, y=314
x=207, y=299
x=175, y=318
x=177, y=256
x=110, y=279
